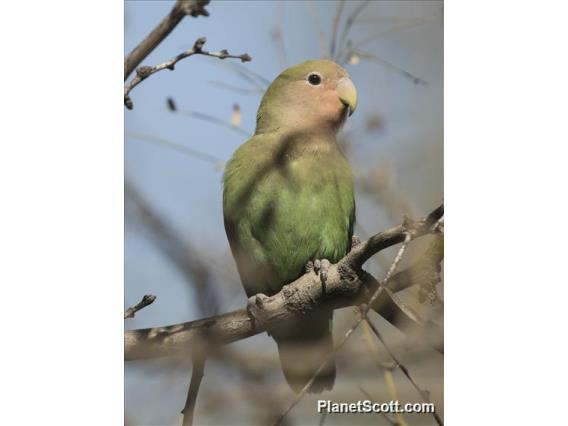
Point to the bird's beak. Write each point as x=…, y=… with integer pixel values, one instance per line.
x=347, y=94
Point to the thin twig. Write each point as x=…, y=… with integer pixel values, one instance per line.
x=373, y=349
x=322, y=418
x=237, y=89
x=257, y=80
x=385, y=415
x=389, y=31
x=191, y=152
x=392, y=391
x=423, y=393
x=389, y=19
x=182, y=8
x=348, y=24
x=142, y=73
x=335, y=26
x=362, y=252
x=390, y=65
x=209, y=118
x=196, y=377
x=147, y=300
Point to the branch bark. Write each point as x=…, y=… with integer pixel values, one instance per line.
x=148, y=299
x=196, y=377
x=182, y=8
x=347, y=285
x=142, y=73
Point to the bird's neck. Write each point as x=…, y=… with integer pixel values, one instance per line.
x=294, y=143
x=279, y=118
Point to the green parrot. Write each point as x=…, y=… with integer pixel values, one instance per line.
x=288, y=204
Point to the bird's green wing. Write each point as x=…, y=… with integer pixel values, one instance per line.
x=283, y=209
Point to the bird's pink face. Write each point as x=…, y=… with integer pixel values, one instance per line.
x=315, y=96
x=320, y=100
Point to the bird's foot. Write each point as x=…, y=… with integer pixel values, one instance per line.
x=355, y=241
x=255, y=306
x=321, y=268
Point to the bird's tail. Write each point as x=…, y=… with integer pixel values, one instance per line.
x=303, y=351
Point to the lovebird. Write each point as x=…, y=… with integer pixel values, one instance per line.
x=288, y=204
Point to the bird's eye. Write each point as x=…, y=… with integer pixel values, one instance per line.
x=314, y=79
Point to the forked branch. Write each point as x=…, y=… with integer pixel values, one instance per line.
x=142, y=73
x=181, y=9
x=347, y=285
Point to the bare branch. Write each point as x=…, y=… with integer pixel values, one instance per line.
x=389, y=380
x=258, y=81
x=390, y=65
x=423, y=393
x=387, y=372
x=362, y=252
x=394, y=29
x=347, y=285
x=206, y=117
x=390, y=20
x=348, y=24
x=142, y=73
x=237, y=89
x=196, y=377
x=148, y=299
x=385, y=415
x=182, y=8
x=335, y=26
x=322, y=418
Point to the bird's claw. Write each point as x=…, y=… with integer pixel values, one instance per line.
x=321, y=268
x=255, y=305
x=355, y=241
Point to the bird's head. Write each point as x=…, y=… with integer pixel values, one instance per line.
x=314, y=94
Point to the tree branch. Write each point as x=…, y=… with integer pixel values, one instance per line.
x=148, y=299
x=196, y=377
x=347, y=285
x=172, y=106
x=334, y=28
x=182, y=8
x=142, y=73
x=423, y=393
x=385, y=415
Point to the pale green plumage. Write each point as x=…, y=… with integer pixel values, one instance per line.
x=286, y=207
x=288, y=199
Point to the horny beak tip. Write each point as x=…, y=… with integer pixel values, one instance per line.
x=347, y=94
